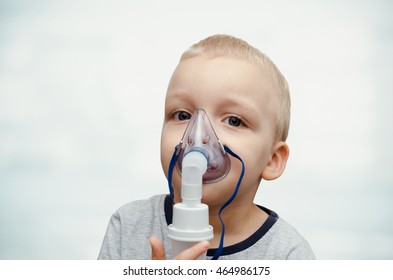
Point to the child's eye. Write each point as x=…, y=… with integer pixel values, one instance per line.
x=234, y=121
x=181, y=116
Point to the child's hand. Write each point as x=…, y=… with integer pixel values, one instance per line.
x=192, y=253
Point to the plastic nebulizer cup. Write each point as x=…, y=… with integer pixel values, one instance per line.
x=190, y=226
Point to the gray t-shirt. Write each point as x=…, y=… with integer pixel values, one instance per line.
x=131, y=226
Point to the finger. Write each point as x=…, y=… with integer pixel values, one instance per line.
x=194, y=252
x=157, y=249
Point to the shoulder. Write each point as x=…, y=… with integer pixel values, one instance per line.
x=274, y=240
x=286, y=241
x=130, y=227
x=144, y=212
x=146, y=206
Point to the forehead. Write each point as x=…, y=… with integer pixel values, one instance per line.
x=220, y=77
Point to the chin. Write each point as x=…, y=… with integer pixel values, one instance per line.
x=213, y=194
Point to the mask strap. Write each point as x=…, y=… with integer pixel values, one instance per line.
x=221, y=246
x=170, y=172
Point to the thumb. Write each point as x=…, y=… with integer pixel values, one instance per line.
x=157, y=249
x=194, y=252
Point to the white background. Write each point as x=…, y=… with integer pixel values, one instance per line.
x=82, y=85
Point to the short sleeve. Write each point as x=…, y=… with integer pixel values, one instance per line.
x=110, y=249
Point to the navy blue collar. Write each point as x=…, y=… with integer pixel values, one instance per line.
x=238, y=247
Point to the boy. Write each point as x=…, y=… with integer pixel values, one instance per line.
x=247, y=101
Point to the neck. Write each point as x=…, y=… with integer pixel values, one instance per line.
x=241, y=220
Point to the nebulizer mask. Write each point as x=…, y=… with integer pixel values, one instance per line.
x=200, y=158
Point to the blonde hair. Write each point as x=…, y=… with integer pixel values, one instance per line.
x=225, y=45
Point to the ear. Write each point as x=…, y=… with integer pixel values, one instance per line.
x=276, y=166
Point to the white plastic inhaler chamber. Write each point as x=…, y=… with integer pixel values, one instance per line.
x=202, y=159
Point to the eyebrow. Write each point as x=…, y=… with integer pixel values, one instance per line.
x=233, y=101
x=175, y=96
x=228, y=100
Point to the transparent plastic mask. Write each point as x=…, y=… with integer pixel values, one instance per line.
x=200, y=136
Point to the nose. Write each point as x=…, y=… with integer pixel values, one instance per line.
x=200, y=136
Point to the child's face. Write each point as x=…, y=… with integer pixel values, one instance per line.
x=236, y=95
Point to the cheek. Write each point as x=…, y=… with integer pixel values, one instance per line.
x=166, y=153
x=169, y=140
x=255, y=161
x=167, y=149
